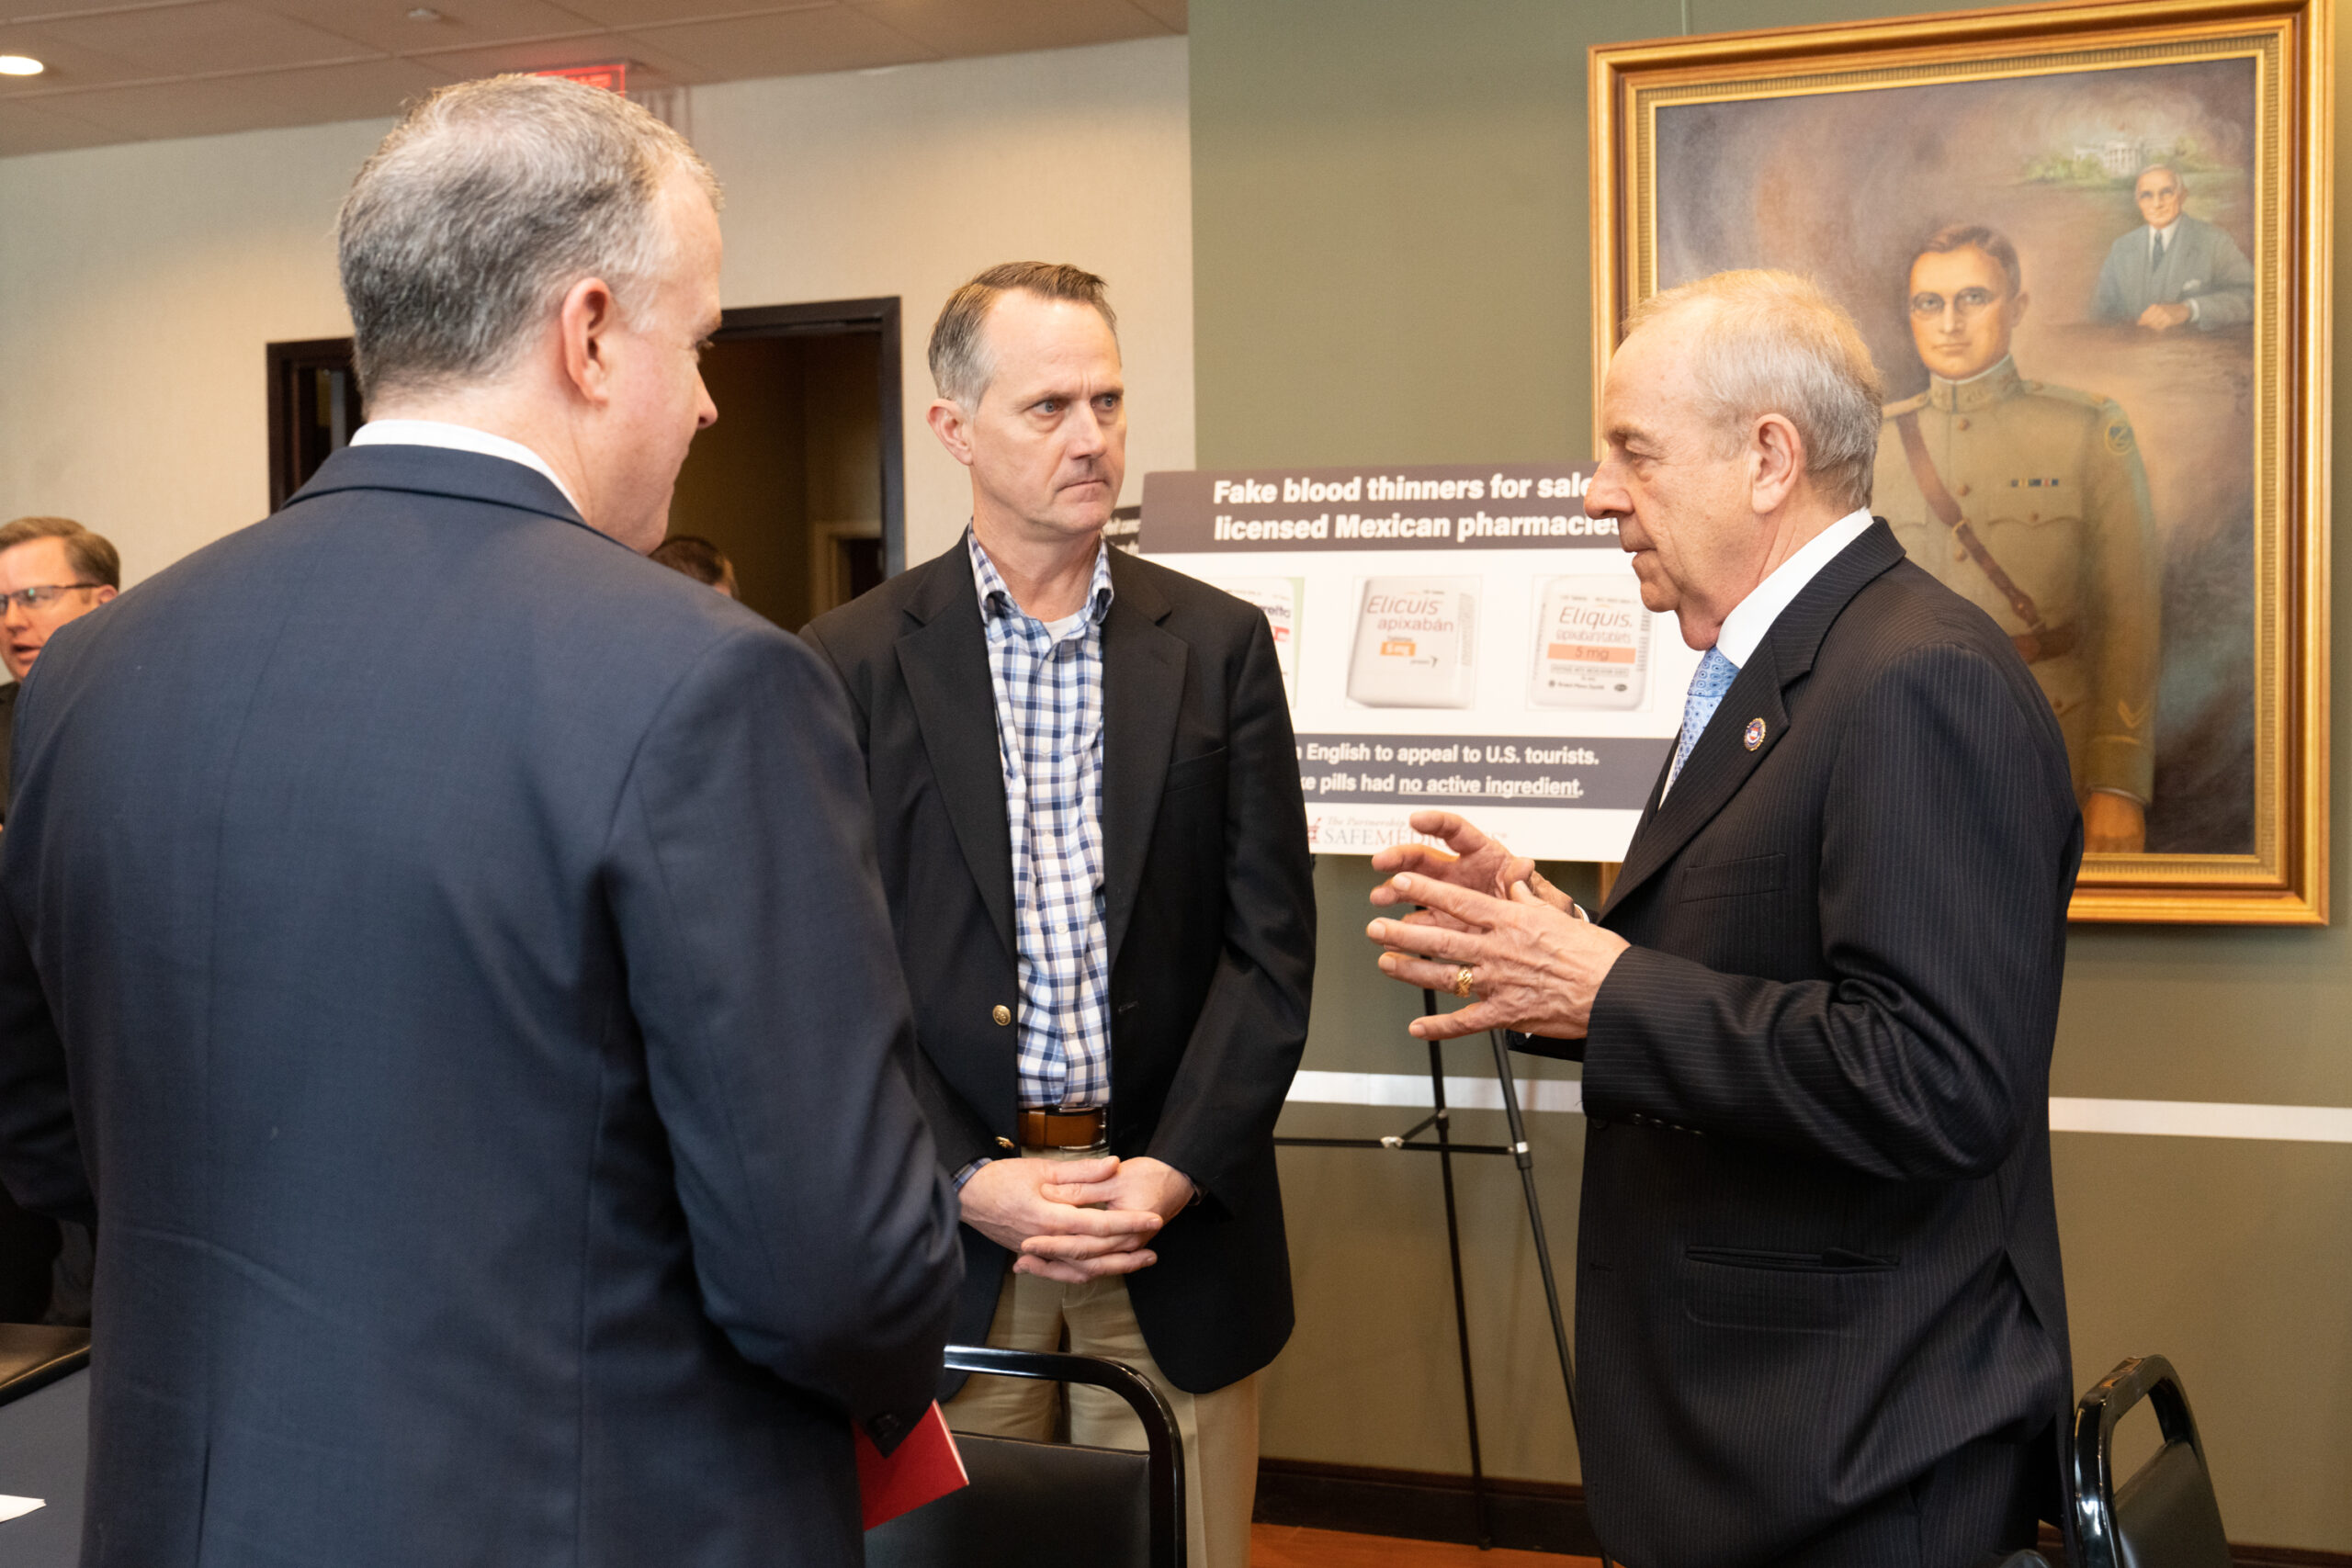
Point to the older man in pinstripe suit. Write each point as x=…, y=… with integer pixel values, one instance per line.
x=1819, y=1303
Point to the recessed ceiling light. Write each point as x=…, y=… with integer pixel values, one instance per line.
x=20, y=65
x=423, y=14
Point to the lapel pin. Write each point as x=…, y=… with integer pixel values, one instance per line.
x=1755, y=736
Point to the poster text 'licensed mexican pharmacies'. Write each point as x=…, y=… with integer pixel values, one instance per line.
x=1462, y=637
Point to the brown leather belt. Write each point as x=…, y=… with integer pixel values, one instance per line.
x=2050, y=642
x=1062, y=1129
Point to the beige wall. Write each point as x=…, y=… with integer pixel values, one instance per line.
x=137, y=284
x=1390, y=259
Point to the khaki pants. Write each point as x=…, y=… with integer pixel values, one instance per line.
x=1218, y=1430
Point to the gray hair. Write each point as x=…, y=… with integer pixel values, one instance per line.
x=961, y=364
x=483, y=207
x=2178, y=180
x=1774, y=342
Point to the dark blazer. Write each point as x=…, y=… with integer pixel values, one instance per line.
x=1818, y=1249
x=487, y=1060
x=1209, y=902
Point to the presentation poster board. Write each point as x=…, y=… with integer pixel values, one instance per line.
x=1459, y=636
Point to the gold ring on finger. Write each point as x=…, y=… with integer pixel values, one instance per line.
x=1461, y=978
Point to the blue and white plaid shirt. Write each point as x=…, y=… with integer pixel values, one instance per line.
x=1049, y=683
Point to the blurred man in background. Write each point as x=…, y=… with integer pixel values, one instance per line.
x=53, y=570
x=700, y=559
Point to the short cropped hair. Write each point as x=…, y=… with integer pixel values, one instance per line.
x=1976, y=237
x=697, y=557
x=2179, y=180
x=1776, y=344
x=484, y=205
x=90, y=556
x=961, y=366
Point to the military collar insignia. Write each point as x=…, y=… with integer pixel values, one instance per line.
x=1978, y=392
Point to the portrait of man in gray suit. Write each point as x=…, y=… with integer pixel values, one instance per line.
x=2174, y=270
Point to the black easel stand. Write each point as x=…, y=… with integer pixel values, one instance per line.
x=1439, y=1121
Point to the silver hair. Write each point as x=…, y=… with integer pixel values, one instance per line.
x=1774, y=342
x=483, y=207
x=2179, y=179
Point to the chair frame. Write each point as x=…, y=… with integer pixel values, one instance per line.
x=2095, y=1543
x=1164, y=1463
x=68, y=1355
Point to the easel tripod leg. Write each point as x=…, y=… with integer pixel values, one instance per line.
x=1486, y=1534
x=1525, y=1160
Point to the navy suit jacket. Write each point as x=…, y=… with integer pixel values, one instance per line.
x=462, y=943
x=1819, y=1248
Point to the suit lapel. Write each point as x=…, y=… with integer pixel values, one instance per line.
x=1723, y=760
x=945, y=662
x=1143, y=681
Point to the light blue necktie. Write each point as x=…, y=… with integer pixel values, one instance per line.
x=1707, y=688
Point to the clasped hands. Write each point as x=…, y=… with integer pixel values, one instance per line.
x=1079, y=1219
x=1535, y=966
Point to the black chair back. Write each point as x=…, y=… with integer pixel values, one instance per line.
x=2164, y=1515
x=34, y=1355
x=1051, y=1505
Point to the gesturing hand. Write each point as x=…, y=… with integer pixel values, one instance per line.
x=1533, y=968
x=1019, y=1205
x=1477, y=863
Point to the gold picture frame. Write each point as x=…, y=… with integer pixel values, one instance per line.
x=1834, y=150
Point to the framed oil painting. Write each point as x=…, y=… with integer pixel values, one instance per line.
x=2088, y=246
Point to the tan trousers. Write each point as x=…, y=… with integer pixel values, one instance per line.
x=1218, y=1430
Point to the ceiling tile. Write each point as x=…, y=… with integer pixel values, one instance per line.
x=211, y=106
x=648, y=66
x=785, y=44
x=71, y=64
x=27, y=128
x=385, y=25
x=661, y=13
x=218, y=35
x=958, y=27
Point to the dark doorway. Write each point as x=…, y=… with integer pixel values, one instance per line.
x=801, y=484
x=800, y=481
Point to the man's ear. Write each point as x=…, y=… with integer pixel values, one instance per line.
x=952, y=426
x=585, y=320
x=2016, y=311
x=1776, y=463
x=102, y=594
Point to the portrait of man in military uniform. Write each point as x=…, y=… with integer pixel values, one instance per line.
x=2030, y=500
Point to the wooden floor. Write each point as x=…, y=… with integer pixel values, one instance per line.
x=1292, y=1546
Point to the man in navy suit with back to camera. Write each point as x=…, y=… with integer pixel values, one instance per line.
x=461, y=939
x=1819, y=1310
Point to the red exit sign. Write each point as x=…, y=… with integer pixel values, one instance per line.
x=612, y=78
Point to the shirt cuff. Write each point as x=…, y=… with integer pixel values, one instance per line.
x=2193, y=312
x=965, y=1174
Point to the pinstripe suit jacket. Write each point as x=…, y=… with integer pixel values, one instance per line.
x=1818, y=1249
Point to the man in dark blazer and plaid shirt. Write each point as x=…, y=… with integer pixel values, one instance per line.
x=1096, y=849
x=1819, y=1310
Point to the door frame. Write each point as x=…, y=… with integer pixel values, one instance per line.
x=831, y=317
x=877, y=316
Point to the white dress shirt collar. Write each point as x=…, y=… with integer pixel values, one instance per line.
x=1744, y=628
x=2165, y=233
x=457, y=438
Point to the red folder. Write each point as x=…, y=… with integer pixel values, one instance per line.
x=919, y=1470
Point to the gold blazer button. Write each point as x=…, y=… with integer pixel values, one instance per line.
x=1001, y=1013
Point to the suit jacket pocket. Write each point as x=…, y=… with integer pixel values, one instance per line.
x=1193, y=771
x=1788, y=1292
x=1733, y=879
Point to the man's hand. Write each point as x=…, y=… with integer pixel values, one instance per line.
x=1142, y=1185
x=2114, y=824
x=2164, y=318
x=1478, y=863
x=1533, y=968
x=1013, y=1202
